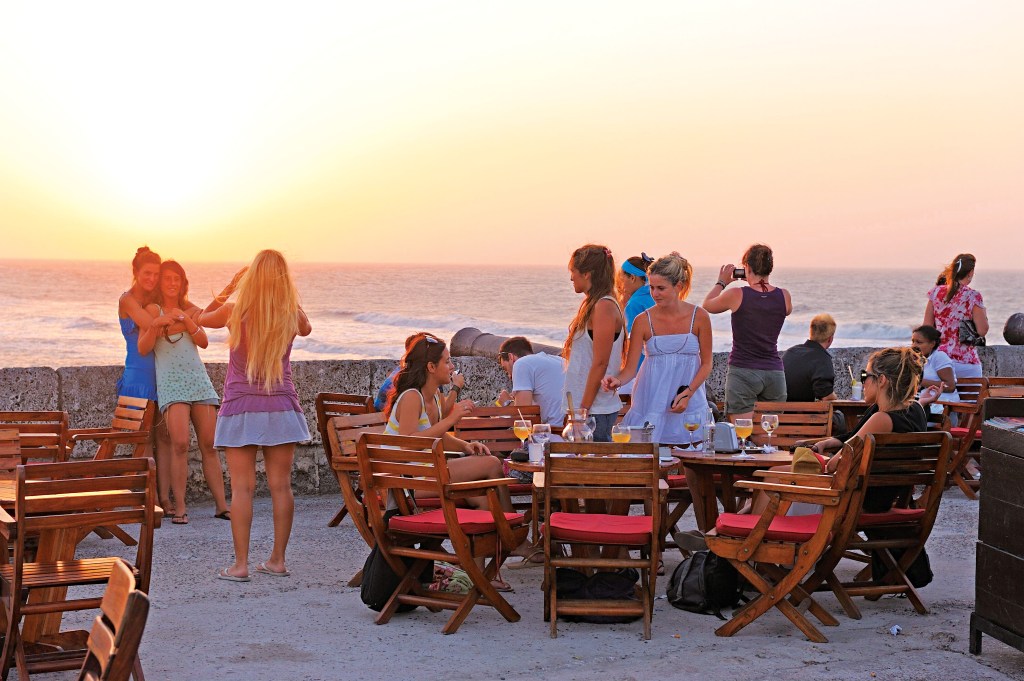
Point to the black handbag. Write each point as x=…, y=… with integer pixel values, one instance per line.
x=969, y=334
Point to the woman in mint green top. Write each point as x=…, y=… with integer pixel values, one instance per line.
x=184, y=390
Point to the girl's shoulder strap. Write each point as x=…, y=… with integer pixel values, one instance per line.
x=650, y=323
x=423, y=405
x=616, y=302
x=693, y=318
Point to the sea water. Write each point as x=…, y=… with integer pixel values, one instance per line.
x=65, y=313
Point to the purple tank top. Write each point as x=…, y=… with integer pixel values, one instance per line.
x=755, y=330
x=240, y=396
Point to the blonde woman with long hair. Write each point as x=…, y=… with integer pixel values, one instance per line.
x=261, y=407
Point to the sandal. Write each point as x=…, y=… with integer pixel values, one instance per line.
x=501, y=586
x=180, y=519
x=223, y=515
x=533, y=559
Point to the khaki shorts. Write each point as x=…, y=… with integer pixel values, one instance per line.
x=744, y=387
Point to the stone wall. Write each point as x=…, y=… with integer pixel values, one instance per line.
x=87, y=394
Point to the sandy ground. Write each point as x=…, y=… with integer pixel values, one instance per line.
x=310, y=626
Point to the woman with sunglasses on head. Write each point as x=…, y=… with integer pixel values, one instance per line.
x=595, y=346
x=676, y=337
x=759, y=310
x=184, y=390
x=415, y=407
x=261, y=408
x=951, y=302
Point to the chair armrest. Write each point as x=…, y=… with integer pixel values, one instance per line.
x=74, y=432
x=473, y=488
x=803, y=479
x=8, y=528
x=959, y=407
x=117, y=436
x=811, y=495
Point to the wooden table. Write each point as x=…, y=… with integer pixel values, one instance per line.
x=852, y=410
x=701, y=469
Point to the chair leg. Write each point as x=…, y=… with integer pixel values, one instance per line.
x=338, y=517
x=357, y=578
x=411, y=575
x=137, y=670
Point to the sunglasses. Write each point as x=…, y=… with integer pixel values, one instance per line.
x=865, y=375
x=504, y=357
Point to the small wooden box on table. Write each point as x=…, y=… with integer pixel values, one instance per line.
x=999, y=576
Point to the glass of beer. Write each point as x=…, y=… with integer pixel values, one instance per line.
x=744, y=429
x=522, y=431
x=620, y=433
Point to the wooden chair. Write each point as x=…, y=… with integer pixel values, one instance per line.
x=493, y=426
x=610, y=479
x=131, y=425
x=905, y=464
x=1006, y=386
x=775, y=552
x=10, y=452
x=113, y=647
x=342, y=433
x=797, y=421
x=401, y=464
x=44, y=434
x=329, y=405
x=63, y=503
x=973, y=393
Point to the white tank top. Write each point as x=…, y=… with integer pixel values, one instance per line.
x=581, y=356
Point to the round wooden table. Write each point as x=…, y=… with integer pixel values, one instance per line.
x=701, y=469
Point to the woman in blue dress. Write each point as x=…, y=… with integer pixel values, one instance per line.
x=676, y=338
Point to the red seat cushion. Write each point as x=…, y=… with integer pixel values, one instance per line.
x=890, y=517
x=960, y=433
x=601, y=528
x=675, y=481
x=472, y=521
x=797, y=528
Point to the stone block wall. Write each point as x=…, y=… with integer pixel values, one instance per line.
x=88, y=395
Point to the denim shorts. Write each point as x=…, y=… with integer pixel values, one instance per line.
x=744, y=387
x=603, y=426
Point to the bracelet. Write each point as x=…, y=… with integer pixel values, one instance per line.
x=457, y=389
x=721, y=284
x=198, y=329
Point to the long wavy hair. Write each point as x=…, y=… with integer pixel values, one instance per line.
x=599, y=263
x=268, y=307
x=173, y=266
x=144, y=256
x=904, y=368
x=421, y=349
x=956, y=272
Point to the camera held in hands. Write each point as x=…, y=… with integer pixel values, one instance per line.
x=739, y=273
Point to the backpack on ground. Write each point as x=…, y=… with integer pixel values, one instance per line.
x=620, y=585
x=704, y=583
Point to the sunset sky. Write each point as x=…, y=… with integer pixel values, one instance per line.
x=854, y=133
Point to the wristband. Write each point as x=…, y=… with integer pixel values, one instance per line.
x=721, y=284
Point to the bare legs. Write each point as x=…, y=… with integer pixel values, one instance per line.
x=204, y=420
x=163, y=463
x=177, y=417
x=242, y=468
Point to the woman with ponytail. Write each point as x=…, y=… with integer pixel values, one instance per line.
x=954, y=301
x=595, y=345
x=261, y=407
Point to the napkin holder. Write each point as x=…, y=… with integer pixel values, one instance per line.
x=725, y=437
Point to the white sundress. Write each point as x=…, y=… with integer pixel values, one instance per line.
x=672, y=360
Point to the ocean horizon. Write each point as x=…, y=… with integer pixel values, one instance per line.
x=64, y=313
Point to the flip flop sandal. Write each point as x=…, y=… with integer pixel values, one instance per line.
x=223, y=515
x=502, y=587
x=227, y=576
x=263, y=569
x=180, y=519
x=529, y=561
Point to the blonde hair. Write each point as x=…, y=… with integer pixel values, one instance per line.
x=903, y=367
x=822, y=327
x=676, y=270
x=268, y=305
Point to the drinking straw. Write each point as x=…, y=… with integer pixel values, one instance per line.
x=850, y=369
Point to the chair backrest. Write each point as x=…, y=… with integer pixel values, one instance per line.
x=398, y=464
x=1006, y=386
x=342, y=433
x=797, y=421
x=85, y=495
x=493, y=426
x=603, y=470
x=10, y=452
x=907, y=463
x=44, y=434
x=132, y=414
x=329, y=405
x=973, y=393
x=116, y=633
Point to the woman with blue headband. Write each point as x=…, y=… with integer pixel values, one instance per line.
x=634, y=293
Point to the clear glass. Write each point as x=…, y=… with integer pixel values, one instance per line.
x=692, y=425
x=541, y=433
x=769, y=422
x=521, y=430
x=578, y=427
x=709, y=432
x=620, y=433
x=744, y=428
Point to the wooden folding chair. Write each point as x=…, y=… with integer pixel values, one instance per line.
x=1006, y=386
x=775, y=552
x=44, y=434
x=63, y=503
x=342, y=433
x=973, y=393
x=911, y=469
x=493, y=427
x=131, y=425
x=797, y=421
x=615, y=474
x=398, y=465
x=113, y=646
x=329, y=405
x=10, y=453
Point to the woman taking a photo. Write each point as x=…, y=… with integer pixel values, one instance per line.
x=952, y=303
x=184, y=390
x=676, y=338
x=594, y=347
x=758, y=311
x=261, y=408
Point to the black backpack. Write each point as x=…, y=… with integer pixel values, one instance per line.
x=572, y=584
x=704, y=583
